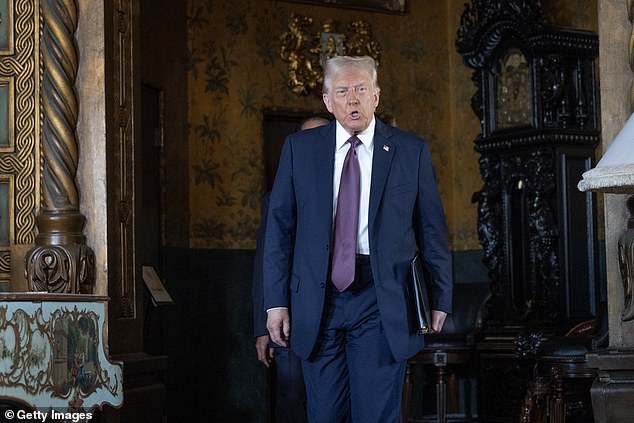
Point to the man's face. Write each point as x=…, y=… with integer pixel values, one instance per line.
x=352, y=99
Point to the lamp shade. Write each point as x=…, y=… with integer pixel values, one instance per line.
x=615, y=171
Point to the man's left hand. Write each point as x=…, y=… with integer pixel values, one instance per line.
x=265, y=353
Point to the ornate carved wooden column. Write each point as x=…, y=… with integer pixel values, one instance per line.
x=61, y=261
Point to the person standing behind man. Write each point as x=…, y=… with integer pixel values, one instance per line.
x=290, y=392
x=352, y=204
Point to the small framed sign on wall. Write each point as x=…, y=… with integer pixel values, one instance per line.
x=386, y=6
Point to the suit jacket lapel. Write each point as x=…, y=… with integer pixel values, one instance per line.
x=384, y=150
x=324, y=164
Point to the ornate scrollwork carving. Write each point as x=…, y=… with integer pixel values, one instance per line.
x=19, y=66
x=360, y=41
x=626, y=264
x=306, y=49
x=551, y=89
x=564, y=93
x=490, y=227
x=535, y=175
x=50, y=271
x=543, y=232
x=527, y=345
x=495, y=18
x=490, y=214
x=61, y=269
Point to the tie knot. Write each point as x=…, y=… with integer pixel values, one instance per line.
x=354, y=141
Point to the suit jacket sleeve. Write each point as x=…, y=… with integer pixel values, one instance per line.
x=259, y=314
x=431, y=234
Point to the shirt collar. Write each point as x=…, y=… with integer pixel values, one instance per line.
x=366, y=137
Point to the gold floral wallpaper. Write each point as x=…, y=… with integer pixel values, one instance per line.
x=235, y=73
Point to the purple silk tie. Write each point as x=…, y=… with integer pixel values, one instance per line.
x=347, y=220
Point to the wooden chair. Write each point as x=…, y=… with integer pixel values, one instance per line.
x=453, y=347
x=560, y=389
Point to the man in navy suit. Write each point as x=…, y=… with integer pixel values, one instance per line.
x=290, y=393
x=353, y=339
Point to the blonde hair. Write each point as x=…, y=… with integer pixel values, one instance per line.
x=337, y=64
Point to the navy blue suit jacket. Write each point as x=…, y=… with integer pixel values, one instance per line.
x=259, y=314
x=405, y=214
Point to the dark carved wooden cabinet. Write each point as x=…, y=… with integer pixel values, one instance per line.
x=537, y=104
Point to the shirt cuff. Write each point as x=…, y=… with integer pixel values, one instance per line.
x=276, y=308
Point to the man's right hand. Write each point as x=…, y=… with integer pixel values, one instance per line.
x=265, y=353
x=278, y=323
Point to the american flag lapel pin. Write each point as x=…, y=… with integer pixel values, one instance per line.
x=386, y=148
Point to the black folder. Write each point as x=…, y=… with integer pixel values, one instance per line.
x=419, y=296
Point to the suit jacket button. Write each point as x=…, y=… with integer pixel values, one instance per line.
x=321, y=285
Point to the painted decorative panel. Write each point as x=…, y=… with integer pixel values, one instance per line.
x=53, y=352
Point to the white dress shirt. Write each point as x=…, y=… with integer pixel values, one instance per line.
x=364, y=154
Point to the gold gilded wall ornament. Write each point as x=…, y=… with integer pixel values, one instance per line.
x=305, y=47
